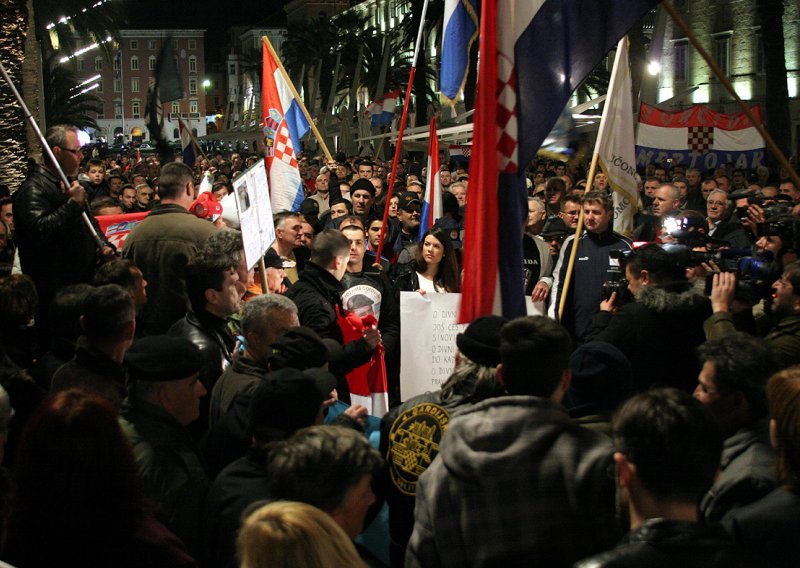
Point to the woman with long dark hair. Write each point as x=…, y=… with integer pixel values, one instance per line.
x=434, y=268
x=76, y=500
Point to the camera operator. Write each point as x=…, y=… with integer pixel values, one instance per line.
x=661, y=329
x=784, y=335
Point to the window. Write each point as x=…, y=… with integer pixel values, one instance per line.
x=176, y=107
x=151, y=44
x=232, y=69
x=134, y=44
x=117, y=109
x=80, y=65
x=175, y=134
x=192, y=86
x=135, y=84
x=760, y=66
x=98, y=63
x=192, y=64
x=175, y=44
x=722, y=53
x=100, y=86
x=151, y=63
x=681, y=61
x=136, y=109
x=193, y=106
x=117, y=85
x=101, y=113
x=134, y=63
x=192, y=44
x=115, y=62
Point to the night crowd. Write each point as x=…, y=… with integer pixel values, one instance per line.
x=164, y=404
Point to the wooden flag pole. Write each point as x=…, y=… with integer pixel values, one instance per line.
x=317, y=135
x=262, y=273
x=681, y=23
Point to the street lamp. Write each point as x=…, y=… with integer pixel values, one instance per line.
x=206, y=83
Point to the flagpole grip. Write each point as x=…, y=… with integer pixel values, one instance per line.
x=317, y=135
x=573, y=253
x=773, y=147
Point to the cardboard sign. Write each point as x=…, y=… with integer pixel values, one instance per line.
x=251, y=194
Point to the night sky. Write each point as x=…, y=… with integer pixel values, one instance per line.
x=158, y=14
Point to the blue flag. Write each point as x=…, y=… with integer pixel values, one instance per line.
x=458, y=32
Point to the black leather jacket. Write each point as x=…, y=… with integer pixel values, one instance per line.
x=55, y=247
x=211, y=336
x=662, y=543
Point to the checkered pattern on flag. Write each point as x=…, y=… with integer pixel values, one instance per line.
x=533, y=54
x=701, y=138
x=284, y=124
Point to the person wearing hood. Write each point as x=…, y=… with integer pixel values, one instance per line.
x=666, y=314
x=516, y=481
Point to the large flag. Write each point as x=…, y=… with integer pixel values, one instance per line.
x=116, y=228
x=541, y=49
x=187, y=144
x=382, y=109
x=698, y=137
x=432, y=203
x=284, y=125
x=459, y=30
x=615, y=147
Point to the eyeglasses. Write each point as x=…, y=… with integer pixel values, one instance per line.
x=71, y=150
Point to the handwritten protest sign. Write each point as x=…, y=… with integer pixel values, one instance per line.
x=428, y=335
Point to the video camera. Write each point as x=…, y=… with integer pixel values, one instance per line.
x=620, y=286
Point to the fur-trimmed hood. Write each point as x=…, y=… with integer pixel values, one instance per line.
x=680, y=296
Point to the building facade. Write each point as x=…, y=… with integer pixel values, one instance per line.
x=123, y=84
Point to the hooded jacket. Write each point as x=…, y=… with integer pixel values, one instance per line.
x=516, y=483
x=659, y=333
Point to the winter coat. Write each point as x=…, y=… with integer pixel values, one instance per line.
x=516, y=483
x=784, y=337
x=769, y=527
x=169, y=467
x=92, y=370
x=242, y=376
x=659, y=333
x=55, y=247
x=161, y=246
x=661, y=543
x=747, y=473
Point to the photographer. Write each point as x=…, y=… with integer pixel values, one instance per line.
x=665, y=318
x=784, y=335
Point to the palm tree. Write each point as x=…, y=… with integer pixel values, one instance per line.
x=13, y=150
x=64, y=103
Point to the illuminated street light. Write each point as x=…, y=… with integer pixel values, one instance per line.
x=654, y=67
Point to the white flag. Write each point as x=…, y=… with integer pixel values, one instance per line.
x=615, y=143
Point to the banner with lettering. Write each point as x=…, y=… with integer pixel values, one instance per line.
x=698, y=137
x=116, y=228
x=428, y=332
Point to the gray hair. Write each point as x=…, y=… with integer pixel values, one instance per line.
x=226, y=245
x=57, y=135
x=718, y=190
x=257, y=313
x=676, y=194
x=539, y=203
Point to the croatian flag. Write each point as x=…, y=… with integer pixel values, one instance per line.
x=459, y=30
x=698, y=137
x=541, y=49
x=432, y=204
x=382, y=110
x=187, y=144
x=284, y=124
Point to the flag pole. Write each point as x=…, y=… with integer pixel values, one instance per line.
x=403, y=118
x=49, y=152
x=311, y=124
x=193, y=139
x=773, y=147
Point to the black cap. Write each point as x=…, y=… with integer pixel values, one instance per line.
x=299, y=348
x=480, y=342
x=362, y=183
x=407, y=199
x=287, y=400
x=555, y=227
x=309, y=207
x=160, y=358
x=272, y=259
x=601, y=374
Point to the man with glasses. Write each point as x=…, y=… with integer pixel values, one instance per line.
x=55, y=247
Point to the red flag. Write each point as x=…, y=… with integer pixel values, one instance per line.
x=117, y=227
x=367, y=383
